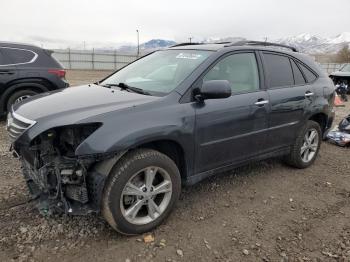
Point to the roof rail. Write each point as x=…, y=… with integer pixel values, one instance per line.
x=261, y=43
x=184, y=44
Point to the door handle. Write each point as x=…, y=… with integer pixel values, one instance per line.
x=6, y=73
x=308, y=94
x=261, y=102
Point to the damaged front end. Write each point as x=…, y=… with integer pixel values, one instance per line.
x=59, y=180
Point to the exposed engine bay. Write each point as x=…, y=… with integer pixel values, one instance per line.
x=58, y=179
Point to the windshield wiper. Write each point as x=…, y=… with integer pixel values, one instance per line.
x=124, y=86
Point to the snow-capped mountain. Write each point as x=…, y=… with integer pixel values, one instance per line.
x=342, y=38
x=157, y=43
x=307, y=43
x=222, y=40
x=314, y=44
x=148, y=46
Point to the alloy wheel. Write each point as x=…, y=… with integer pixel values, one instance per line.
x=310, y=145
x=21, y=98
x=146, y=195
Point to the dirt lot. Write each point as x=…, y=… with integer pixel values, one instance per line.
x=264, y=212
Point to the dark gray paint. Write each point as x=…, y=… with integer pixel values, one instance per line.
x=213, y=134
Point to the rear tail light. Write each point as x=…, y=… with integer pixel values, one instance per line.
x=61, y=73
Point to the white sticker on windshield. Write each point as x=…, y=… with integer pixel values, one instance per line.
x=188, y=56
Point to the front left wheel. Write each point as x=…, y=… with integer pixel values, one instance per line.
x=141, y=191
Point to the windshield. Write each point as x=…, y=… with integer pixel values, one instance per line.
x=159, y=73
x=345, y=68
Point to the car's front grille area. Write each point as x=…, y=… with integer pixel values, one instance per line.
x=16, y=125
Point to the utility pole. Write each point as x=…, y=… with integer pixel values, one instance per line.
x=138, y=42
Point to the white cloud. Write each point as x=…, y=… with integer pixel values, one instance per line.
x=70, y=22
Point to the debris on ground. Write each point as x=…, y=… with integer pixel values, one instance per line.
x=340, y=135
x=180, y=252
x=317, y=230
x=148, y=238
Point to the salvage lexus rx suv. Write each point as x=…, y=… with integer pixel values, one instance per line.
x=124, y=146
x=27, y=70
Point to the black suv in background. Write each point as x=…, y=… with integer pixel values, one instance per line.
x=27, y=70
x=125, y=145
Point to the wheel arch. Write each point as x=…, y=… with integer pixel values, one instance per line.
x=321, y=119
x=168, y=147
x=173, y=150
x=14, y=87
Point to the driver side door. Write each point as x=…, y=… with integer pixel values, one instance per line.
x=233, y=129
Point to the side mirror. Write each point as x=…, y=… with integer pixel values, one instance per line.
x=214, y=89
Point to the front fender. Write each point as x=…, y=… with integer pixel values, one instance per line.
x=133, y=128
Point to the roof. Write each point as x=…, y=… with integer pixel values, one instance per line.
x=18, y=45
x=245, y=44
x=191, y=46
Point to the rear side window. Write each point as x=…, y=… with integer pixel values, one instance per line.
x=3, y=59
x=298, y=76
x=279, y=70
x=310, y=76
x=18, y=56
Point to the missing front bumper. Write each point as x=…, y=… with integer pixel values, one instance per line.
x=64, y=187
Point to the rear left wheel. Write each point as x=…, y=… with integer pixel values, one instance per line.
x=141, y=191
x=306, y=146
x=19, y=96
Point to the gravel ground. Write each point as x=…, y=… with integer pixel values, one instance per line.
x=263, y=212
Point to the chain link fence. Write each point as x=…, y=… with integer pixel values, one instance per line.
x=93, y=59
x=330, y=67
x=113, y=60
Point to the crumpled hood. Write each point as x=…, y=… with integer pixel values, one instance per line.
x=340, y=73
x=77, y=103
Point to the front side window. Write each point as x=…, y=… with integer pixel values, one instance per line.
x=160, y=72
x=240, y=70
x=279, y=70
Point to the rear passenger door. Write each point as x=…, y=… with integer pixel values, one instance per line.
x=289, y=95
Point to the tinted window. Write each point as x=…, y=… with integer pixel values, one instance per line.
x=298, y=76
x=279, y=70
x=18, y=56
x=310, y=76
x=240, y=70
x=3, y=60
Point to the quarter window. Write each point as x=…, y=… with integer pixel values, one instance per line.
x=3, y=60
x=298, y=76
x=310, y=76
x=278, y=70
x=18, y=56
x=240, y=70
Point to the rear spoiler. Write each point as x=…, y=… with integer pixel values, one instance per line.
x=48, y=51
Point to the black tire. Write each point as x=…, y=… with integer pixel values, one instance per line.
x=124, y=169
x=17, y=94
x=294, y=158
